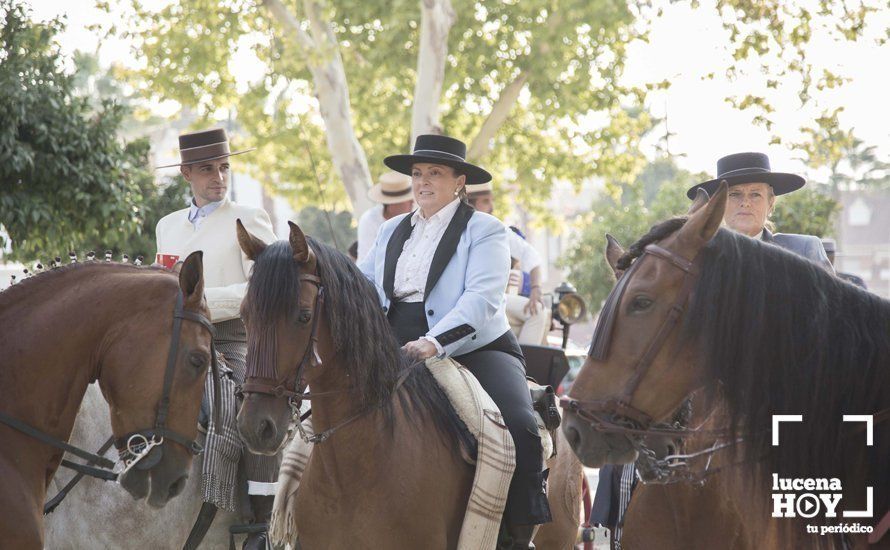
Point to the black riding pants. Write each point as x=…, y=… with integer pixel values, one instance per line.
x=500, y=369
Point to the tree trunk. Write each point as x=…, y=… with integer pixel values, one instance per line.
x=436, y=19
x=496, y=118
x=332, y=91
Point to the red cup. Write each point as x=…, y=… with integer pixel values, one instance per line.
x=167, y=260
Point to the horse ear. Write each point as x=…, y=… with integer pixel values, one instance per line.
x=613, y=252
x=251, y=246
x=701, y=199
x=191, y=278
x=704, y=222
x=302, y=252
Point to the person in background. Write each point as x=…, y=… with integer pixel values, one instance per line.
x=393, y=195
x=753, y=189
x=830, y=248
x=528, y=317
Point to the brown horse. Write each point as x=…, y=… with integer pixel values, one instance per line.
x=772, y=333
x=64, y=329
x=683, y=501
x=388, y=467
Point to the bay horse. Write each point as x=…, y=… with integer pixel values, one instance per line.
x=683, y=500
x=388, y=467
x=701, y=307
x=113, y=324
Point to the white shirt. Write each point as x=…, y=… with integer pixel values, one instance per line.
x=523, y=251
x=368, y=225
x=413, y=266
x=198, y=215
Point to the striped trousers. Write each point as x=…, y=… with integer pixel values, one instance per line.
x=224, y=454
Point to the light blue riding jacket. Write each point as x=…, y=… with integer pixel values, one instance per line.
x=464, y=298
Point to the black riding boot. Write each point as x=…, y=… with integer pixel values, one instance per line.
x=262, y=513
x=519, y=537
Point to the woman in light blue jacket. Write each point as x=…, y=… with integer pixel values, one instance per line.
x=440, y=273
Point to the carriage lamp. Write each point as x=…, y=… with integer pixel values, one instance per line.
x=569, y=308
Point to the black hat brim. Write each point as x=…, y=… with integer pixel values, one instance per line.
x=403, y=164
x=780, y=182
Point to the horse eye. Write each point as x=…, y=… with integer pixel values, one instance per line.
x=305, y=316
x=198, y=360
x=641, y=303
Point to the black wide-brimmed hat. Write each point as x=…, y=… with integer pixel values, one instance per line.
x=437, y=149
x=749, y=168
x=204, y=146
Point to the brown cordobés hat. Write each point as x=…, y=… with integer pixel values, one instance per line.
x=204, y=146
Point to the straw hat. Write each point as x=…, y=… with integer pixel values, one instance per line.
x=392, y=187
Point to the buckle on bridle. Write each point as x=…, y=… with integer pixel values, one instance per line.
x=138, y=447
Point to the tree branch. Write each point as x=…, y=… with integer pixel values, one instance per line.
x=500, y=111
x=286, y=19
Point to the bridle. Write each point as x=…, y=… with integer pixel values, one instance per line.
x=142, y=448
x=617, y=414
x=290, y=386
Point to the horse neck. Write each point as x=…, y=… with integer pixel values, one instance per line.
x=354, y=452
x=54, y=338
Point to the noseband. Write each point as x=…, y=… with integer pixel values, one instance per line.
x=617, y=414
x=290, y=386
x=134, y=447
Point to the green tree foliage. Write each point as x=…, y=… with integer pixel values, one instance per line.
x=657, y=194
x=566, y=56
x=808, y=211
x=848, y=160
x=66, y=182
x=313, y=221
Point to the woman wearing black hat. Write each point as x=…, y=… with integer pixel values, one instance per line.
x=440, y=274
x=753, y=189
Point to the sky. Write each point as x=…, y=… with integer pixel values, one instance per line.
x=681, y=49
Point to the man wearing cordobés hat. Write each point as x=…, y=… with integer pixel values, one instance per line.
x=208, y=224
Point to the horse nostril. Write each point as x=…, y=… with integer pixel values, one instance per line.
x=177, y=487
x=266, y=430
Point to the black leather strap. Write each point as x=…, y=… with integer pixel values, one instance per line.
x=164, y=403
x=54, y=502
x=201, y=526
x=53, y=441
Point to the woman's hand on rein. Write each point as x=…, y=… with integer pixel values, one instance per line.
x=419, y=349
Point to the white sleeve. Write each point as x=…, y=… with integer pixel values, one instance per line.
x=524, y=252
x=367, y=232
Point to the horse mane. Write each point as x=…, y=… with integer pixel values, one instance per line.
x=363, y=340
x=34, y=282
x=778, y=334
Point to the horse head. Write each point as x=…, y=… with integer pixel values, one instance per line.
x=638, y=371
x=283, y=312
x=153, y=378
